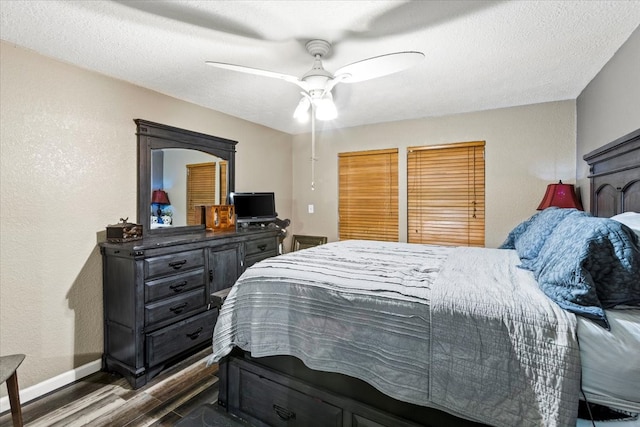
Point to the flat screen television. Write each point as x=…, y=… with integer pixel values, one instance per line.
x=254, y=207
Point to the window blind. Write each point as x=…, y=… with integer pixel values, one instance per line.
x=368, y=195
x=201, y=189
x=223, y=182
x=446, y=194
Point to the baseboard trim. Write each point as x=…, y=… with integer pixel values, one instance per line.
x=47, y=386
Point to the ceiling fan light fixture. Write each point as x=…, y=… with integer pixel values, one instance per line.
x=317, y=83
x=325, y=108
x=301, y=113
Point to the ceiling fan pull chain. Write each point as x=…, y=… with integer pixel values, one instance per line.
x=313, y=146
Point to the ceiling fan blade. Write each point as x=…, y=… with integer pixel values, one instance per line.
x=258, y=72
x=379, y=66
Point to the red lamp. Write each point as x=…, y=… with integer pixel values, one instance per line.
x=160, y=198
x=560, y=195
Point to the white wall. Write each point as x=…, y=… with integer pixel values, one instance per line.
x=68, y=170
x=526, y=148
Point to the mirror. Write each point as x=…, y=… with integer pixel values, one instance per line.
x=165, y=155
x=188, y=178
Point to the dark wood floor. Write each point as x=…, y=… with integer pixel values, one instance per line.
x=103, y=399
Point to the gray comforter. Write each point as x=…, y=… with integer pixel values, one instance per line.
x=459, y=329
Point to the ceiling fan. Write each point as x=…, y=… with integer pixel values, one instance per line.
x=317, y=83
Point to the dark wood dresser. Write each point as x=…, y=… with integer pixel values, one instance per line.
x=161, y=295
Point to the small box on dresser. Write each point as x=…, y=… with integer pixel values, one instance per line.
x=218, y=217
x=124, y=231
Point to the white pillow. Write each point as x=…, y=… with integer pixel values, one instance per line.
x=630, y=219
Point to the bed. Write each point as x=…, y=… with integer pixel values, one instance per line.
x=361, y=333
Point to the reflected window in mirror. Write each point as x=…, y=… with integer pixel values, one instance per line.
x=206, y=185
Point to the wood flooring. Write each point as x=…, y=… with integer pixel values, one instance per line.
x=104, y=399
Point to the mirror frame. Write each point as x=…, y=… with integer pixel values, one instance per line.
x=158, y=136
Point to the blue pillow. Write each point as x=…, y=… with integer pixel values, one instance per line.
x=510, y=241
x=529, y=237
x=588, y=264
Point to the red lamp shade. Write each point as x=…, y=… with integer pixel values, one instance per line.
x=560, y=195
x=160, y=197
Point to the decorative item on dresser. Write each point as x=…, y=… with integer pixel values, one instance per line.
x=218, y=217
x=124, y=231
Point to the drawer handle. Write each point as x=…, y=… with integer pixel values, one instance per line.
x=177, y=287
x=262, y=247
x=177, y=309
x=196, y=334
x=283, y=413
x=176, y=265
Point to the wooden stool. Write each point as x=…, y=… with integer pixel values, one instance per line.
x=8, y=367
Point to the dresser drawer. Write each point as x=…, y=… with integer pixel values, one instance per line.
x=169, y=264
x=267, y=246
x=250, y=260
x=173, y=285
x=165, y=343
x=173, y=307
x=276, y=405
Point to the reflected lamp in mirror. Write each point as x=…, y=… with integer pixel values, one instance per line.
x=160, y=198
x=560, y=195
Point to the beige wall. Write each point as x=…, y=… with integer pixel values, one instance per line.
x=69, y=169
x=609, y=106
x=526, y=148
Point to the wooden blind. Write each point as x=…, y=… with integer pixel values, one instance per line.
x=223, y=182
x=201, y=189
x=445, y=194
x=368, y=195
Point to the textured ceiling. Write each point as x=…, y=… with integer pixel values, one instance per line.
x=478, y=54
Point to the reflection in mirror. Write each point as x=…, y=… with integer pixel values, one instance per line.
x=190, y=178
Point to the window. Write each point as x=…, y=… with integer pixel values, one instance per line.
x=223, y=182
x=445, y=194
x=201, y=189
x=368, y=195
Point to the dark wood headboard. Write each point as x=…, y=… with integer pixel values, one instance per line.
x=614, y=172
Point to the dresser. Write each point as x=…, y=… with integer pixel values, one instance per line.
x=162, y=295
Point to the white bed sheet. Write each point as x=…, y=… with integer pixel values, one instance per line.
x=611, y=360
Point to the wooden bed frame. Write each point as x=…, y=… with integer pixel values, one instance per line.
x=614, y=172
x=254, y=389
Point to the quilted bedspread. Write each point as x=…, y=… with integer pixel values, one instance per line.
x=458, y=329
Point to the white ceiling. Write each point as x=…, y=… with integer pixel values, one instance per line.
x=478, y=54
